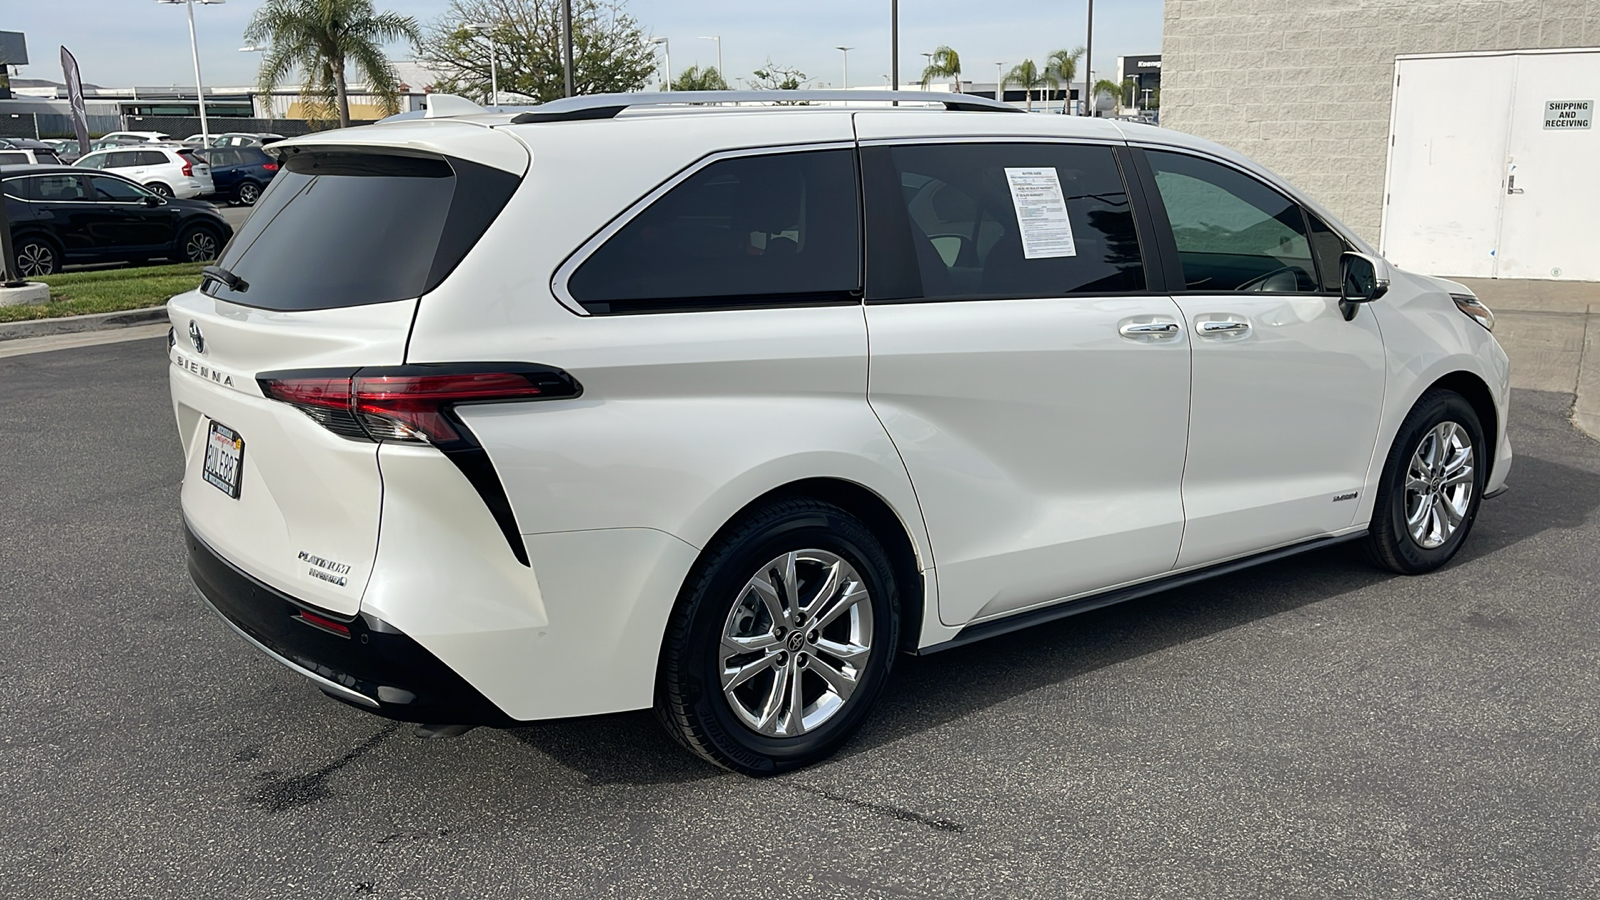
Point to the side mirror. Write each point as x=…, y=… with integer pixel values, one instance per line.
x=152, y=201
x=1363, y=279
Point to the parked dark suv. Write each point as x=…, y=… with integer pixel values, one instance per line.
x=240, y=174
x=62, y=215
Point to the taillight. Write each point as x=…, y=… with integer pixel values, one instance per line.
x=188, y=167
x=270, y=167
x=412, y=403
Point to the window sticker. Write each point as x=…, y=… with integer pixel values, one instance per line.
x=1041, y=213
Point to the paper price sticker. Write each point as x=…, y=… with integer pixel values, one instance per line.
x=1041, y=213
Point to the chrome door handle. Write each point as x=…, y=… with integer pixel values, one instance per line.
x=1224, y=328
x=1148, y=329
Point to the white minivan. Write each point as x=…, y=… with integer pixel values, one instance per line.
x=716, y=408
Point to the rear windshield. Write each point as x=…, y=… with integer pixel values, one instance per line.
x=349, y=228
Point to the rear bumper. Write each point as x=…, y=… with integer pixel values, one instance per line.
x=376, y=668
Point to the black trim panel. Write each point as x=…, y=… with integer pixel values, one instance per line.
x=400, y=678
x=996, y=627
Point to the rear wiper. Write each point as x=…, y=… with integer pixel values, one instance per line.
x=228, y=280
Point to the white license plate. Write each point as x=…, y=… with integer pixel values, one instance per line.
x=224, y=465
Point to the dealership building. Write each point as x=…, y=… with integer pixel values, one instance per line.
x=1456, y=134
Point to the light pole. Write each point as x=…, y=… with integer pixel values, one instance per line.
x=194, y=47
x=487, y=31
x=999, y=82
x=1088, y=64
x=666, y=56
x=266, y=103
x=846, y=52
x=567, y=63
x=894, y=44
x=718, y=39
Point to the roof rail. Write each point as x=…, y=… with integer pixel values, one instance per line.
x=606, y=106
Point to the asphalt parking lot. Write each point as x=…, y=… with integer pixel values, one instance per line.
x=1314, y=728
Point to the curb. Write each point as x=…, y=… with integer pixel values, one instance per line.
x=73, y=324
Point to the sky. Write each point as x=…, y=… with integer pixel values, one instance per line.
x=123, y=43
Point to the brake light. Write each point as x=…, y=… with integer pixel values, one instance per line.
x=412, y=403
x=270, y=167
x=188, y=166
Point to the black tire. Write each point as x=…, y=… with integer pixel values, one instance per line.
x=1390, y=540
x=37, y=255
x=198, y=243
x=159, y=189
x=247, y=193
x=690, y=701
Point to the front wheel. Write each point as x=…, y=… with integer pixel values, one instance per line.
x=1432, y=484
x=782, y=640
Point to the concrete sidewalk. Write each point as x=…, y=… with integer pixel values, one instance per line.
x=1551, y=331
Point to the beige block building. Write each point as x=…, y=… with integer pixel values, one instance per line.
x=1305, y=86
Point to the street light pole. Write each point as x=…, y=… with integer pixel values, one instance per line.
x=266, y=102
x=1088, y=64
x=999, y=82
x=846, y=52
x=194, y=47
x=566, y=45
x=487, y=31
x=718, y=39
x=894, y=44
x=666, y=56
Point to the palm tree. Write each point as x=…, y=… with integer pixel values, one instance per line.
x=1107, y=86
x=1064, y=65
x=944, y=63
x=1027, y=76
x=319, y=38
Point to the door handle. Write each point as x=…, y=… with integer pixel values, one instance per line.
x=1228, y=328
x=1148, y=329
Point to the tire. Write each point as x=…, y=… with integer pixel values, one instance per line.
x=247, y=193
x=160, y=189
x=37, y=256
x=751, y=728
x=1434, y=477
x=197, y=243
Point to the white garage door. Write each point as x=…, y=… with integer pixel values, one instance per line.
x=1492, y=166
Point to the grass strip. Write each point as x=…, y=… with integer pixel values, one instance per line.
x=107, y=290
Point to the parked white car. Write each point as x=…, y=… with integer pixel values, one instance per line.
x=166, y=170
x=493, y=418
x=147, y=136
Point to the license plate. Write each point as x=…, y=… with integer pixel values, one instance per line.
x=224, y=464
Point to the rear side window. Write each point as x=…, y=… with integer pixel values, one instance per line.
x=46, y=158
x=1233, y=232
x=152, y=158
x=57, y=188
x=349, y=228
x=776, y=230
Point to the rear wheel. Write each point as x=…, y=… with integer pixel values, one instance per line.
x=159, y=188
x=247, y=193
x=1432, y=485
x=782, y=640
x=198, y=243
x=37, y=256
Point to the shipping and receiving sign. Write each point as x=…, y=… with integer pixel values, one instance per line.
x=1568, y=113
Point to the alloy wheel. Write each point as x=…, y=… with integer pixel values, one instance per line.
x=201, y=246
x=796, y=643
x=1439, y=484
x=35, y=259
x=248, y=193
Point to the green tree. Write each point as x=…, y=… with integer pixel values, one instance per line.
x=1115, y=90
x=1064, y=65
x=945, y=63
x=610, y=53
x=698, y=79
x=1029, y=77
x=773, y=77
x=320, y=39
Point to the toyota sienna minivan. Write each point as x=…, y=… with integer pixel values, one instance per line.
x=713, y=406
